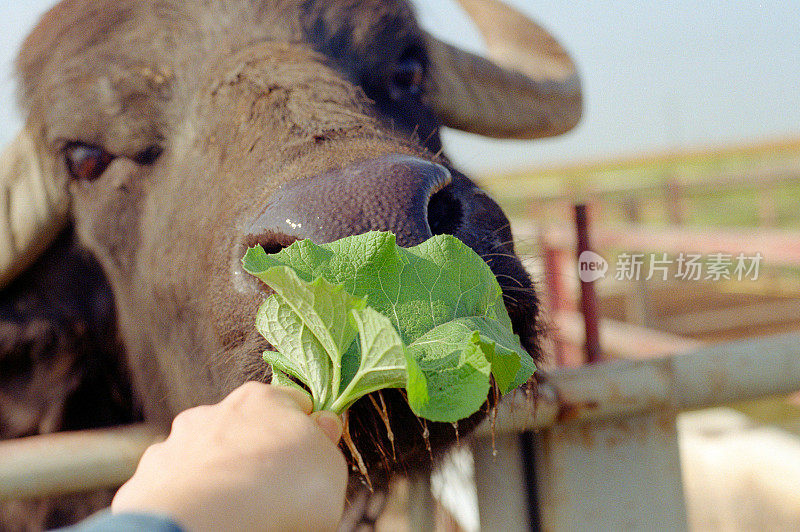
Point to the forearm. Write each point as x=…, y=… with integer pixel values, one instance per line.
x=105, y=521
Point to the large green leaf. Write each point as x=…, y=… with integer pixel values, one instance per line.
x=456, y=373
x=310, y=326
x=418, y=288
x=381, y=359
x=435, y=323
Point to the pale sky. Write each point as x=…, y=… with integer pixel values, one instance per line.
x=656, y=75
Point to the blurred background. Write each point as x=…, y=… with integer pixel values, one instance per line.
x=689, y=147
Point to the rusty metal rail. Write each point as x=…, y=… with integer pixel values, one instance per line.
x=70, y=462
x=607, y=449
x=711, y=376
x=780, y=247
x=673, y=193
x=621, y=339
x=594, y=395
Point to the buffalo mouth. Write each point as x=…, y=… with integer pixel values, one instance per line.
x=383, y=434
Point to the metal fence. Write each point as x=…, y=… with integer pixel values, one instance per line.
x=606, y=454
x=605, y=447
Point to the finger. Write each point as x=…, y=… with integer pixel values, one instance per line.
x=329, y=423
x=191, y=418
x=256, y=395
x=301, y=398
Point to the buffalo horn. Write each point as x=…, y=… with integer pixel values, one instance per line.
x=530, y=88
x=33, y=208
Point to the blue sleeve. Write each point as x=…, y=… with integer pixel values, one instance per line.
x=105, y=521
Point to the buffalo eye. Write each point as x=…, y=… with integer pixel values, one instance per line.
x=148, y=155
x=85, y=161
x=407, y=75
x=88, y=162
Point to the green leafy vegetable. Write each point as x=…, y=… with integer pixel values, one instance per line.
x=362, y=314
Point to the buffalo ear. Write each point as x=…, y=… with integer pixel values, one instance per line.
x=34, y=205
x=529, y=89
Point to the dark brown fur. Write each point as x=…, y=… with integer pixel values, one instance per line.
x=242, y=96
x=62, y=367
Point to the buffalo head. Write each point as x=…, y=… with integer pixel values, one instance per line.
x=175, y=134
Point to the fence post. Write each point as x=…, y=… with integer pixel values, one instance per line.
x=767, y=208
x=557, y=293
x=591, y=317
x=637, y=302
x=673, y=200
x=632, y=209
x=618, y=474
x=500, y=482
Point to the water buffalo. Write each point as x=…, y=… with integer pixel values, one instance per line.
x=161, y=139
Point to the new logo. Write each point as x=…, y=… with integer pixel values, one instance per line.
x=591, y=266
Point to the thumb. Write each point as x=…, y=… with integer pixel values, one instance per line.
x=329, y=423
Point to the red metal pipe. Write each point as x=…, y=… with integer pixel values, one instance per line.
x=556, y=292
x=588, y=297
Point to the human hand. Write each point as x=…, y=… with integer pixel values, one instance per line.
x=254, y=461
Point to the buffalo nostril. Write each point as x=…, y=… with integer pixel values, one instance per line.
x=272, y=248
x=445, y=212
x=270, y=241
